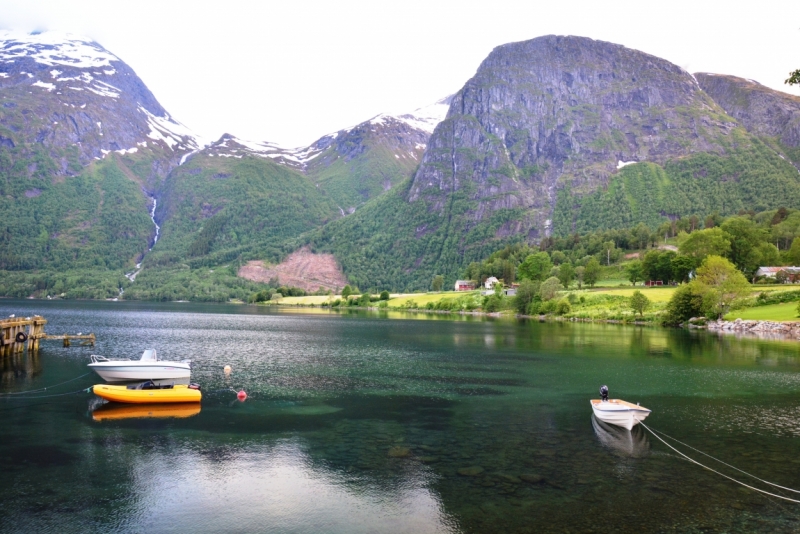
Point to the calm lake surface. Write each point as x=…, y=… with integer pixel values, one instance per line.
x=411, y=424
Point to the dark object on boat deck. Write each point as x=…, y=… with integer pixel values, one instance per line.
x=604, y=393
x=194, y=386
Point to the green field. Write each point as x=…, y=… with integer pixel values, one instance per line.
x=774, y=312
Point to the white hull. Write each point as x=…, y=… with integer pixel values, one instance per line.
x=620, y=413
x=135, y=370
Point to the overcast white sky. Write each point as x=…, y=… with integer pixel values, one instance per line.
x=289, y=72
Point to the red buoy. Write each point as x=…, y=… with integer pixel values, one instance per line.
x=241, y=395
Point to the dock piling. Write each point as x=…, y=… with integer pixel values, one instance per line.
x=19, y=333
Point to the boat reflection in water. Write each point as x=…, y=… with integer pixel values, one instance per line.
x=621, y=441
x=113, y=411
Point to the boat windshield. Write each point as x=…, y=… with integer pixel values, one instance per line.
x=149, y=354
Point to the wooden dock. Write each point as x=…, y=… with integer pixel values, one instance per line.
x=20, y=333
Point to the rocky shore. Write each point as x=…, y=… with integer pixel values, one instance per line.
x=771, y=329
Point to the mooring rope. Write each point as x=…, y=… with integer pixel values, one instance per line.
x=84, y=390
x=723, y=463
x=721, y=474
x=45, y=388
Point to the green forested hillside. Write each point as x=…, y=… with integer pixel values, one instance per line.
x=391, y=243
x=396, y=244
x=750, y=176
x=97, y=219
x=218, y=209
x=218, y=212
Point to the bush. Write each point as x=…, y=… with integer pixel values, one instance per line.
x=548, y=306
x=384, y=295
x=492, y=303
x=563, y=307
x=549, y=288
x=683, y=305
x=526, y=293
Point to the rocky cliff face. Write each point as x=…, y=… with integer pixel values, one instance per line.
x=763, y=111
x=64, y=92
x=556, y=111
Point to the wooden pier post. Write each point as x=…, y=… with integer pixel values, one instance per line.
x=19, y=333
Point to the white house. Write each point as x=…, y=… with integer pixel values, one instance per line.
x=490, y=282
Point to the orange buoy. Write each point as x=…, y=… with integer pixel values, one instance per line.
x=241, y=395
x=227, y=369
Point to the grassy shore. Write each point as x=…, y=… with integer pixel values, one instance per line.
x=609, y=302
x=772, y=312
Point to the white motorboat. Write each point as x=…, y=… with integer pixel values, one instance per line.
x=619, y=412
x=148, y=367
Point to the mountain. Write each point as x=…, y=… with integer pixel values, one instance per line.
x=76, y=99
x=103, y=192
x=559, y=135
x=763, y=111
x=237, y=201
x=353, y=164
x=84, y=145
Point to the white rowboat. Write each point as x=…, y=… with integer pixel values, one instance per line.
x=148, y=367
x=619, y=412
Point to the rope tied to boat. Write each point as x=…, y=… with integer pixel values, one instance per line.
x=30, y=391
x=723, y=474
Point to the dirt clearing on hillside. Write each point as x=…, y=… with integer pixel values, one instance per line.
x=302, y=269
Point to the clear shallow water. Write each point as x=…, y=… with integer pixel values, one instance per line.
x=370, y=423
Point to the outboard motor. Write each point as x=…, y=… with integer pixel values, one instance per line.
x=604, y=393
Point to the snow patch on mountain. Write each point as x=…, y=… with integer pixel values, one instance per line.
x=171, y=132
x=54, y=48
x=425, y=118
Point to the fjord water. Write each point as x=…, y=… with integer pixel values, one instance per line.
x=362, y=422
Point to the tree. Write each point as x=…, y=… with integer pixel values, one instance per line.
x=720, y=285
x=702, y=243
x=566, y=273
x=384, y=295
x=657, y=265
x=437, y=283
x=580, y=272
x=639, y=303
x=683, y=305
x=746, y=238
x=526, y=292
x=793, y=256
x=559, y=257
x=794, y=78
x=682, y=266
x=549, y=288
x=347, y=291
x=535, y=267
x=635, y=271
x=592, y=272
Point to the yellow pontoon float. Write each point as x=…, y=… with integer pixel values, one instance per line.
x=149, y=393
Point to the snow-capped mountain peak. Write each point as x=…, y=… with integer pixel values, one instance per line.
x=97, y=102
x=425, y=118
x=54, y=48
